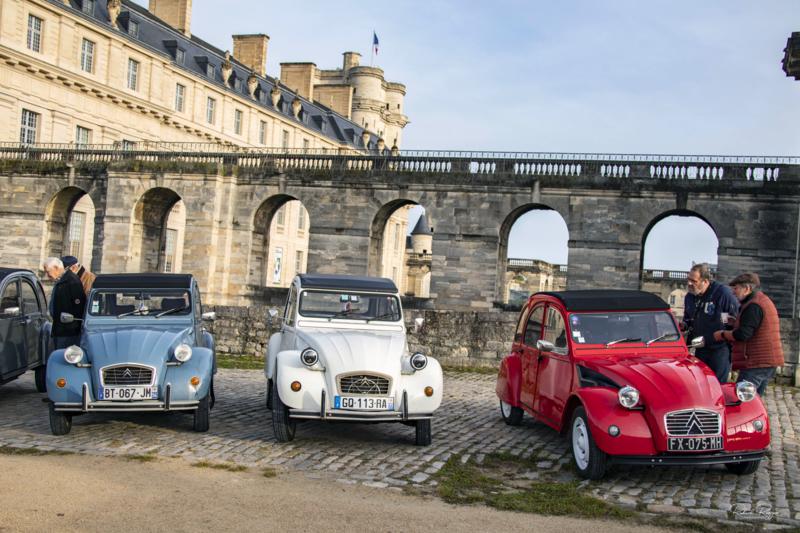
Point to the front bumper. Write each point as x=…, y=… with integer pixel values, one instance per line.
x=687, y=459
x=325, y=413
x=87, y=404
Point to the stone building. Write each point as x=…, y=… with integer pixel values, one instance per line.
x=418, y=259
x=524, y=277
x=288, y=244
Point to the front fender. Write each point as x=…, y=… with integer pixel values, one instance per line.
x=509, y=379
x=273, y=347
x=201, y=365
x=58, y=368
x=602, y=410
x=740, y=434
x=289, y=369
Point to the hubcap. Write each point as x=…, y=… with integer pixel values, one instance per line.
x=505, y=408
x=580, y=443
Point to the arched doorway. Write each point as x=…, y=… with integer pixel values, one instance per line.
x=149, y=231
x=69, y=224
x=279, y=244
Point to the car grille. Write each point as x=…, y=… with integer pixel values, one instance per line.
x=364, y=384
x=693, y=422
x=127, y=375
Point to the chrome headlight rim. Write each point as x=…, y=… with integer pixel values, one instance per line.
x=309, y=357
x=183, y=352
x=73, y=354
x=422, y=361
x=628, y=397
x=746, y=391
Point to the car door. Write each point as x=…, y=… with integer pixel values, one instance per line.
x=554, y=372
x=530, y=355
x=33, y=320
x=12, y=330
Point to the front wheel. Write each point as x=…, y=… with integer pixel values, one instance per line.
x=423, y=433
x=743, y=468
x=60, y=423
x=202, y=415
x=511, y=415
x=282, y=425
x=590, y=460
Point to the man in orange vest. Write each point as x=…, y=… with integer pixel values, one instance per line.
x=756, y=335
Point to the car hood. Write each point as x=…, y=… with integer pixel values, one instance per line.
x=664, y=383
x=133, y=344
x=355, y=350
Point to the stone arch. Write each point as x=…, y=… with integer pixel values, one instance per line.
x=148, y=229
x=57, y=217
x=676, y=239
x=279, y=241
x=531, y=274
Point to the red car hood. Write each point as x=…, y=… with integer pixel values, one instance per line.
x=665, y=383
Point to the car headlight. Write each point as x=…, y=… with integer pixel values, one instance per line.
x=746, y=391
x=73, y=354
x=418, y=361
x=628, y=397
x=309, y=357
x=183, y=352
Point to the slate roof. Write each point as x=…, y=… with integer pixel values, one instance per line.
x=422, y=228
x=159, y=37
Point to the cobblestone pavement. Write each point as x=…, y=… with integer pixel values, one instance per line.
x=384, y=455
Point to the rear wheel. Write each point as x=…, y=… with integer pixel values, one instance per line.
x=282, y=425
x=60, y=423
x=202, y=415
x=743, y=468
x=423, y=436
x=511, y=415
x=590, y=461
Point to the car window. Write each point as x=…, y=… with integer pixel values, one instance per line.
x=140, y=303
x=10, y=297
x=533, y=330
x=555, y=330
x=348, y=305
x=291, y=305
x=640, y=326
x=523, y=320
x=198, y=305
x=30, y=304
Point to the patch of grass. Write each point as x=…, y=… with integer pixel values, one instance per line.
x=471, y=369
x=230, y=467
x=243, y=362
x=556, y=499
x=269, y=472
x=10, y=450
x=463, y=482
x=141, y=458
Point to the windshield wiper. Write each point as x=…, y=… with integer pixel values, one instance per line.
x=344, y=312
x=134, y=312
x=173, y=310
x=390, y=314
x=665, y=335
x=624, y=339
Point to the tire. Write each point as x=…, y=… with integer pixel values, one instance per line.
x=40, y=377
x=590, y=461
x=423, y=437
x=269, y=394
x=743, y=468
x=283, y=426
x=202, y=415
x=511, y=415
x=211, y=393
x=60, y=423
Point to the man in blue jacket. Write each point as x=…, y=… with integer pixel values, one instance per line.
x=703, y=306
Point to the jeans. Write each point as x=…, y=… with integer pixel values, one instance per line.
x=758, y=377
x=66, y=342
x=718, y=360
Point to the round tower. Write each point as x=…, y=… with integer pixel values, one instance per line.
x=422, y=236
x=368, y=98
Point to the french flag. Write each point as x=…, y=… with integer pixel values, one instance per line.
x=375, y=42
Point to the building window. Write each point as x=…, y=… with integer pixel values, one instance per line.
x=301, y=219
x=237, y=122
x=211, y=105
x=30, y=124
x=278, y=266
x=170, y=244
x=306, y=144
x=88, y=7
x=237, y=85
x=298, y=262
x=281, y=216
x=133, y=74
x=285, y=142
x=180, y=56
x=133, y=29
x=397, y=236
x=394, y=275
x=210, y=71
x=262, y=132
x=75, y=233
x=180, y=95
x=34, y=33
x=127, y=144
x=87, y=56
x=83, y=135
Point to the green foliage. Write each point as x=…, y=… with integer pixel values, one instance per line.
x=28, y=166
x=242, y=362
x=230, y=467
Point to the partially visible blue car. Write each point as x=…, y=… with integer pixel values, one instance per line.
x=143, y=348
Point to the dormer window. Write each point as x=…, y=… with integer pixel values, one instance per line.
x=88, y=7
x=237, y=85
x=180, y=56
x=211, y=71
x=133, y=29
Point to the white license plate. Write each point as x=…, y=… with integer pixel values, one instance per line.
x=694, y=444
x=128, y=393
x=360, y=403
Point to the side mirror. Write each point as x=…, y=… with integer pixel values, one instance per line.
x=419, y=322
x=272, y=316
x=211, y=316
x=11, y=311
x=545, y=346
x=67, y=318
x=697, y=342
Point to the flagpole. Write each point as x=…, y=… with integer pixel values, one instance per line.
x=372, y=48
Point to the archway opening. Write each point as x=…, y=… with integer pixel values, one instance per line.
x=279, y=249
x=153, y=214
x=69, y=221
x=533, y=253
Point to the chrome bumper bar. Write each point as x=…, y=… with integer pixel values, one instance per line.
x=358, y=416
x=87, y=405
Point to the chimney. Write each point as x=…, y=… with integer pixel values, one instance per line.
x=251, y=50
x=351, y=59
x=176, y=13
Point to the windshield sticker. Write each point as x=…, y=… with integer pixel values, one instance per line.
x=576, y=333
x=581, y=340
x=95, y=307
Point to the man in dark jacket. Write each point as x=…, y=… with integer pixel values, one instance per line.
x=756, y=335
x=67, y=297
x=703, y=306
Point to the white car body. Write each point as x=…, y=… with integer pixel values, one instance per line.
x=374, y=350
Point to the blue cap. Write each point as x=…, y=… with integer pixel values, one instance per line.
x=69, y=260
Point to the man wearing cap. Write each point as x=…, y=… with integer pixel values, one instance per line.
x=86, y=277
x=67, y=297
x=756, y=334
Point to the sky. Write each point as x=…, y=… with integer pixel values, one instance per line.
x=621, y=76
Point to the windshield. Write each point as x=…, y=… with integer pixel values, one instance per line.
x=136, y=303
x=350, y=306
x=616, y=328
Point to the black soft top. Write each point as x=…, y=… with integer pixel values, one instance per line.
x=355, y=283
x=5, y=271
x=143, y=281
x=608, y=300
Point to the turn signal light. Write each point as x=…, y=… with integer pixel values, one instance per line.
x=296, y=386
x=61, y=383
x=195, y=381
x=429, y=391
